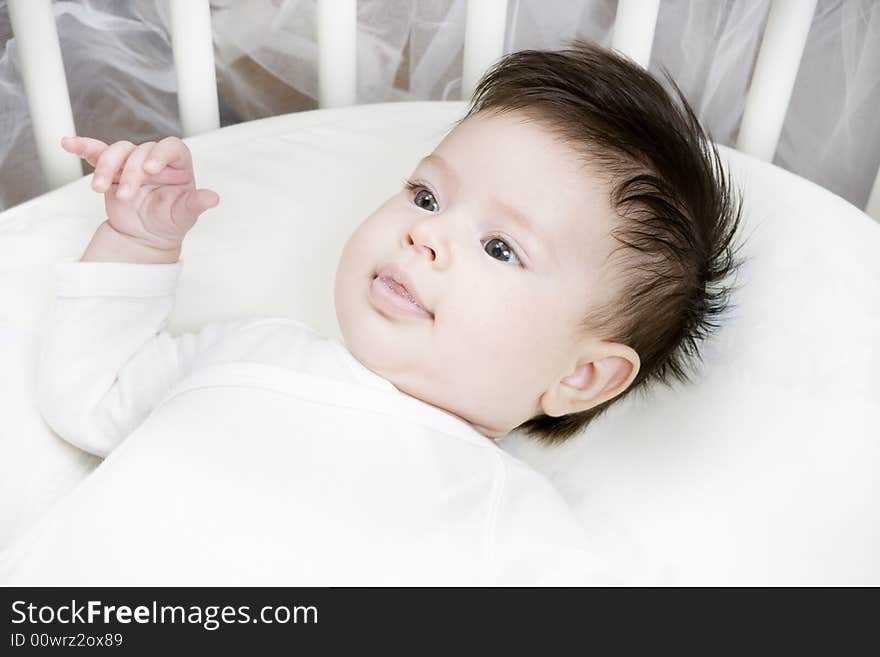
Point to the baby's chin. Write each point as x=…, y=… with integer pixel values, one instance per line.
x=409, y=382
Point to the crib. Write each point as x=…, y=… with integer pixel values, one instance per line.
x=48, y=98
x=763, y=472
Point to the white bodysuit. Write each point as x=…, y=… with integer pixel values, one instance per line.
x=257, y=452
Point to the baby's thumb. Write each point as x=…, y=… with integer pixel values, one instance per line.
x=187, y=208
x=204, y=199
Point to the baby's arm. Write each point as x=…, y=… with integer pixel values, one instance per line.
x=105, y=357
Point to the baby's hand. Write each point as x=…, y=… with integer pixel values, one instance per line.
x=149, y=190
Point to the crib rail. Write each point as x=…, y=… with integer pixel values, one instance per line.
x=773, y=78
x=337, y=53
x=193, y=44
x=634, y=29
x=45, y=84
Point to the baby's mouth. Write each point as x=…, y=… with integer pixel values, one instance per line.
x=395, y=298
x=398, y=281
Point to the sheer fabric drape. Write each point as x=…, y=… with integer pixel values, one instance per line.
x=120, y=73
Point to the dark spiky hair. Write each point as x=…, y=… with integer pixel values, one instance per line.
x=677, y=210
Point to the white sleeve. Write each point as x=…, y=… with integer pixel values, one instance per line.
x=105, y=357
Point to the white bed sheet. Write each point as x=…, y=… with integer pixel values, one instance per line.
x=765, y=471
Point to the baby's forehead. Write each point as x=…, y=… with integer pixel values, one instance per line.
x=515, y=147
x=522, y=158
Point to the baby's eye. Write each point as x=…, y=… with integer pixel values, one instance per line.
x=499, y=247
x=423, y=198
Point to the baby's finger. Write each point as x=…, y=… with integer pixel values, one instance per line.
x=133, y=173
x=171, y=152
x=87, y=148
x=109, y=164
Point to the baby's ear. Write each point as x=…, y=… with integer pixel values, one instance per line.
x=612, y=369
x=578, y=379
x=612, y=375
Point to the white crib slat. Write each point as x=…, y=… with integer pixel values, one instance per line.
x=484, y=28
x=45, y=86
x=634, y=26
x=192, y=40
x=337, y=53
x=873, y=207
x=773, y=79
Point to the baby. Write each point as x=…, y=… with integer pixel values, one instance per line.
x=554, y=253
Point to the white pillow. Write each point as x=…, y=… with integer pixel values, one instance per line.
x=762, y=472
x=766, y=469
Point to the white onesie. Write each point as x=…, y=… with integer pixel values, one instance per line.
x=257, y=452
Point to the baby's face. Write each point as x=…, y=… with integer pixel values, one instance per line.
x=503, y=240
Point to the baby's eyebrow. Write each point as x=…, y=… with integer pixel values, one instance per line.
x=515, y=215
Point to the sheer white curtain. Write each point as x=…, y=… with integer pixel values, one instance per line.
x=121, y=76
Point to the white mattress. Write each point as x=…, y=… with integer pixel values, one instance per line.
x=764, y=471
